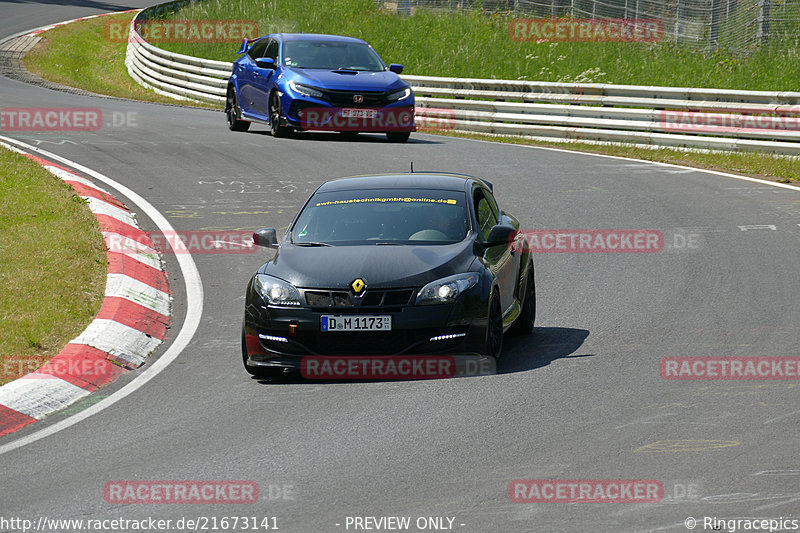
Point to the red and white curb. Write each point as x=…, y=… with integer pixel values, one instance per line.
x=131, y=323
x=43, y=29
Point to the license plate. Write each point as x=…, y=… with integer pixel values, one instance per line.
x=356, y=323
x=359, y=113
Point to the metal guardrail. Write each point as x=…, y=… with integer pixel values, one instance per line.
x=677, y=117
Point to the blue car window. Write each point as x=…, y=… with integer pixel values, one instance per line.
x=331, y=55
x=257, y=50
x=272, y=50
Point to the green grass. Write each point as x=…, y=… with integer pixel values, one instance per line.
x=52, y=264
x=81, y=55
x=477, y=44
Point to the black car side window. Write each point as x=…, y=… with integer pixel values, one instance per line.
x=492, y=204
x=486, y=215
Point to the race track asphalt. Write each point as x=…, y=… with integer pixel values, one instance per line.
x=582, y=399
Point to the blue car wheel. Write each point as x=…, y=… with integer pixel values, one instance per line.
x=275, y=118
x=232, y=113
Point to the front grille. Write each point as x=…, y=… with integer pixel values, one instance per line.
x=397, y=297
x=381, y=342
x=401, y=341
x=345, y=98
x=371, y=298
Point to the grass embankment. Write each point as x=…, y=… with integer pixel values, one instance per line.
x=82, y=55
x=473, y=43
x=52, y=265
x=466, y=44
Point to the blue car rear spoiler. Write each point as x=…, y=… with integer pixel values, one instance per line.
x=246, y=44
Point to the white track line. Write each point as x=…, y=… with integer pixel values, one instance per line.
x=194, y=304
x=671, y=165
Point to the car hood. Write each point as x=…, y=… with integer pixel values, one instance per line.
x=349, y=80
x=380, y=266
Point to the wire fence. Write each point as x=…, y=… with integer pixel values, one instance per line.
x=735, y=25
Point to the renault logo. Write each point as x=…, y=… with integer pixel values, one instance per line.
x=357, y=98
x=358, y=285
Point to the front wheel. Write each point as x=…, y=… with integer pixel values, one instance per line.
x=398, y=136
x=232, y=113
x=528, y=316
x=275, y=127
x=494, y=327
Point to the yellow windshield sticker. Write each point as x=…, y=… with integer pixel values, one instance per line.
x=407, y=199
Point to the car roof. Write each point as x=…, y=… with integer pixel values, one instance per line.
x=417, y=180
x=317, y=37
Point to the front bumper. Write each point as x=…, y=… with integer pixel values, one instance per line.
x=281, y=337
x=311, y=114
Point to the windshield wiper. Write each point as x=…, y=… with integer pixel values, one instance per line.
x=311, y=244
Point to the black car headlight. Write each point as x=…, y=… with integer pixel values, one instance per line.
x=446, y=290
x=306, y=90
x=399, y=95
x=276, y=291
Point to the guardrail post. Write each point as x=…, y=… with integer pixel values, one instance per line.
x=680, y=17
x=404, y=8
x=714, y=30
x=762, y=33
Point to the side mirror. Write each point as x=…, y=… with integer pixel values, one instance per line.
x=501, y=234
x=265, y=237
x=397, y=69
x=265, y=62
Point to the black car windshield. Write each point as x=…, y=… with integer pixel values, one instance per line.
x=383, y=216
x=331, y=55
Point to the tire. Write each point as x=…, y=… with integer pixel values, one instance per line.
x=398, y=136
x=232, y=113
x=526, y=319
x=494, y=327
x=275, y=127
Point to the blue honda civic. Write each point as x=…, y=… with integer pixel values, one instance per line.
x=300, y=82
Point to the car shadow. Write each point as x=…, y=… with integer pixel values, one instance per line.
x=520, y=354
x=345, y=138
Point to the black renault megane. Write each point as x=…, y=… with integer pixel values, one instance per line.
x=402, y=264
